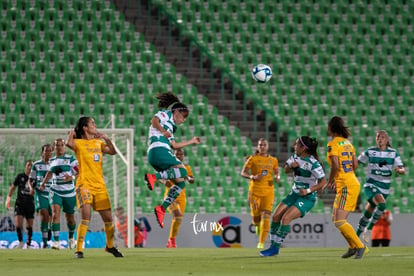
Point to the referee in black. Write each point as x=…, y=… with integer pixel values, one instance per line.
x=24, y=207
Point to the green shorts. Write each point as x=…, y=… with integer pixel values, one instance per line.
x=67, y=204
x=303, y=203
x=162, y=159
x=371, y=191
x=42, y=202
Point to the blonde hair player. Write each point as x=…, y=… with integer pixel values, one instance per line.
x=261, y=169
x=382, y=160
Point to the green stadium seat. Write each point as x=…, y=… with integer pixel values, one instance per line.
x=321, y=64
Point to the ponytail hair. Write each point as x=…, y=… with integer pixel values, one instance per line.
x=336, y=125
x=311, y=146
x=171, y=102
x=82, y=122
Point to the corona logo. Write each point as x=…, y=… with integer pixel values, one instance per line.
x=230, y=233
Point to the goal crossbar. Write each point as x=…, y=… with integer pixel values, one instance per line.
x=127, y=160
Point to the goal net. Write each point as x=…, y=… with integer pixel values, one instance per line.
x=19, y=145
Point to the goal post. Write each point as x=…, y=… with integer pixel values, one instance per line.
x=20, y=144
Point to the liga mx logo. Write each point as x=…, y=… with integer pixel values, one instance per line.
x=229, y=235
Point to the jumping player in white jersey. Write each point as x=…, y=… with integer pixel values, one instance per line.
x=161, y=143
x=381, y=160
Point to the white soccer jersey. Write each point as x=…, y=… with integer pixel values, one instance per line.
x=155, y=137
x=380, y=167
x=38, y=172
x=61, y=166
x=307, y=174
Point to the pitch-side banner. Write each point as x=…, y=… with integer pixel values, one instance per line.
x=224, y=231
x=235, y=230
x=8, y=240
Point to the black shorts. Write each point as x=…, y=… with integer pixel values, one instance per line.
x=383, y=242
x=25, y=209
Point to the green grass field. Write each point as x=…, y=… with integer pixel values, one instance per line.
x=202, y=261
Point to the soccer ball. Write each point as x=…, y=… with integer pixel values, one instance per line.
x=262, y=73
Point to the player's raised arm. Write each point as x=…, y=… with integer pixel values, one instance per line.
x=70, y=143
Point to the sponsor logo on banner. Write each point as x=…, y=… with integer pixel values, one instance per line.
x=230, y=233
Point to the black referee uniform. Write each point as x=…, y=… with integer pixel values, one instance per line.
x=24, y=202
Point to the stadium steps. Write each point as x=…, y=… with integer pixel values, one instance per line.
x=139, y=17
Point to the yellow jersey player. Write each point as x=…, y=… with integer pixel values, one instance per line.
x=177, y=208
x=89, y=146
x=343, y=162
x=261, y=169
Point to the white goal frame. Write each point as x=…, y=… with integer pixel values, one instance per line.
x=128, y=160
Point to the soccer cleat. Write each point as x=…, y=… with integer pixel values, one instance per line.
x=150, y=179
x=360, y=252
x=271, y=251
x=114, y=252
x=20, y=245
x=351, y=252
x=366, y=235
x=79, y=255
x=55, y=245
x=72, y=243
x=159, y=214
x=171, y=243
x=260, y=245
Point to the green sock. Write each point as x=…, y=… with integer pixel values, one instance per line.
x=173, y=193
x=71, y=229
x=274, y=226
x=44, y=228
x=172, y=173
x=56, y=231
x=377, y=214
x=363, y=222
x=281, y=234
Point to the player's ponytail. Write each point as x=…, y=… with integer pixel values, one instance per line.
x=337, y=126
x=311, y=146
x=171, y=102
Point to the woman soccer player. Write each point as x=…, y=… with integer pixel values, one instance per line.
x=41, y=197
x=309, y=177
x=63, y=168
x=160, y=155
x=261, y=169
x=177, y=208
x=381, y=160
x=24, y=206
x=89, y=146
x=341, y=157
